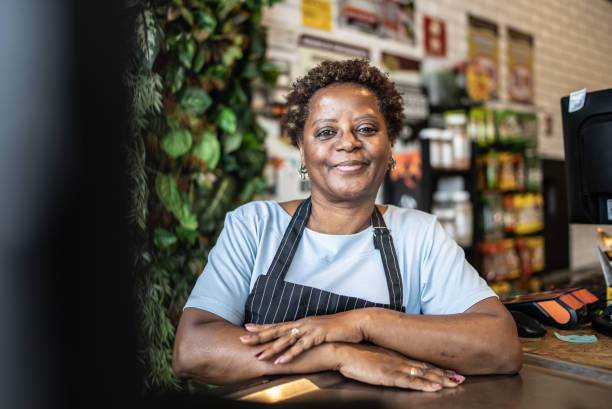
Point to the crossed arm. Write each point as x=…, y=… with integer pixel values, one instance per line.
x=372, y=345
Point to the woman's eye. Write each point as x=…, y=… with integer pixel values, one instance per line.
x=366, y=130
x=326, y=133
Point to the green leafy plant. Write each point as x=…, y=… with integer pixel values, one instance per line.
x=195, y=150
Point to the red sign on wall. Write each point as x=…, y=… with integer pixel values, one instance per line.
x=434, y=30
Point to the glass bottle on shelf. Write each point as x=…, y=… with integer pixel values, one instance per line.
x=463, y=217
x=444, y=210
x=456, y=123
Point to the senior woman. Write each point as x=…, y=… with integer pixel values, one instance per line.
x=381, y=294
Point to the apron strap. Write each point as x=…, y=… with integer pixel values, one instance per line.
x=383, y=241
x=291, y=238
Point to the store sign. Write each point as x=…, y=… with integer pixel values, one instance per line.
x=405, y=73
x=314, y=50
x=434, y=33
x=482, y=72
x=317, y=14
x=520, y=66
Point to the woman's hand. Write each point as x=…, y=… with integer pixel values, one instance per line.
x=294, y=337
x=380, y=366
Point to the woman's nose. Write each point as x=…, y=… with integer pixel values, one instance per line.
x=347, y=140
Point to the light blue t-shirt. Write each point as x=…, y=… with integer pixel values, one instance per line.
x=436, y=277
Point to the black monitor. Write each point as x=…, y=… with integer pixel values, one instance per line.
x=587, y=133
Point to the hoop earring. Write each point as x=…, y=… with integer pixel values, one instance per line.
x=392, y=164
x=303, y=172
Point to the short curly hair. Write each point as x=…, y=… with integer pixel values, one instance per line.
x=358, y=71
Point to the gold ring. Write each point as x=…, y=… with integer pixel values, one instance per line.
x=413, y=371
x=295, y=332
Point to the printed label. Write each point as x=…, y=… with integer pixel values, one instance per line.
x=576, y=100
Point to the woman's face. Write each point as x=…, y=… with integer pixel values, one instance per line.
x=345, y=148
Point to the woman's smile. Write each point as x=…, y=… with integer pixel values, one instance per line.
x=350, y=166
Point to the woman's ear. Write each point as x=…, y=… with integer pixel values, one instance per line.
x=300, y=145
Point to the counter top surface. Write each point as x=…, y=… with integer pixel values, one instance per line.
x=597, y=354
x=534, y=387
x=555, y=374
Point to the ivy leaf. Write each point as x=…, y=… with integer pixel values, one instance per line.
x=205, y=21
x=167, y=192
x=175, y=77
x=186, y=52
x=250, y=141
x=187, y=235
x=224, y=7
x=176, y=142
x=219, y=204
x=164, y=239
x=208, y=150
x=195, y=100
x=186, y=13
x=251, y=69
x=231, y=142
x=232, y=54
x=253, y=187
x=147, y=37
x=199, y=61
x=216, y=71
x=227, y=120
x=186, y=217
x=258, y=43
x=269, y=73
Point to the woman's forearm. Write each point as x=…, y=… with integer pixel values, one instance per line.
x=212, y=353
x=470, y=343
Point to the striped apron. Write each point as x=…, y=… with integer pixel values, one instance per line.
x=275, y=300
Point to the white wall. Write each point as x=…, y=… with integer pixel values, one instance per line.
x=573, y=50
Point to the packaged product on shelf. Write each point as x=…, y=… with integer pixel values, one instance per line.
x=463, y=217
x=492, y=164
x=507, y=177
x=536, y=245
x=476, y=126
x=456, y=123
x=481, y=126
x=444, y=210
x=490, y=268
x=510, y=259
x=435, y=147
x=489, y=126
x=500, y=260
x=510, y=216
x=533, y=177
x=530, y=213
x=531, y=254
x=529, y=125
x=446, y=149
x=492, y=217
x=508, y=127
x=519, y=170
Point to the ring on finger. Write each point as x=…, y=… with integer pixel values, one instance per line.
x=295, y=332
x=413, y=371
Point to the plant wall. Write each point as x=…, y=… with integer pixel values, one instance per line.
x=195, y=149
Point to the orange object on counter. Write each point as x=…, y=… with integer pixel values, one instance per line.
x=555, y=310
x=585, y=296
x=572, y=301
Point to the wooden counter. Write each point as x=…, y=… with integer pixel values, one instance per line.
x=597, y=354
x=556, y=374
